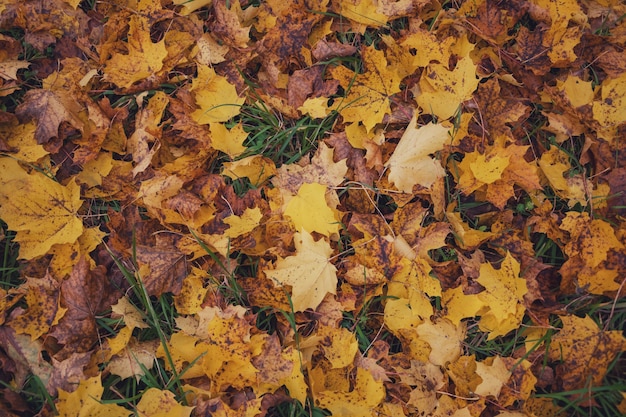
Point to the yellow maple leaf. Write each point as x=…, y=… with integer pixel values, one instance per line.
x=41, y=211
x=588, y=250
x=369, y=92
x=444, y=338
x=85, y=401
x=466, y=237
x=363, y=13
x=554, y=164
x=494, y=373
x=316, y=107
x=310, y=273
x=245, y=223
x=229, y=141
x=498, y=170
x=342, y=348
x=256, y=168
x=585, y=351
x=500, y=305
x=216, y=98
x=44, y=310
x=411, y=163
x=22, y=138
x=361, y=401
x=192, y=294
x=158, y=403
x=443, y=91
x=565, y=19
x=309, y=210
x=144, y=58
x=610, y=111
x=504, y=296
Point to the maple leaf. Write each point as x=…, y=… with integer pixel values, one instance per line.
x=26, y=356
x=443, y=90
x=411, y=163
x=309, y=210
x=256, y=168
x=144, y=58
x=322, y=169
x=85, y=293
x=360, y=401
x=162, y=269
x=134, y=360
x=41, y=211
x=585, y=351
x=42, y=297
x=310, y=273
x=85, y=401
x=368, y=96
x=609, y=111
x=498, y=171
x=49, y=109
x=500, y=305
x=363, y=13
x=144, y=142
x=158, y=403
x=229, y=25
x=229, y=141
x=216, y=98
x=591, y=245
x=277, y=367
x=192, y=293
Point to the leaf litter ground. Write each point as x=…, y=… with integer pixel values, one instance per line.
x=342, y=207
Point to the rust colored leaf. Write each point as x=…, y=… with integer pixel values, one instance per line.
x=49, y=109
x=85, y=294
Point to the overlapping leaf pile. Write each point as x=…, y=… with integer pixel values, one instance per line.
x=460, y=139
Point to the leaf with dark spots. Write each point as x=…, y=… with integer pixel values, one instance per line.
x=162, y=269
x=49, y=109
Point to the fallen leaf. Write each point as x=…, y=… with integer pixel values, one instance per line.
x=368, y=97
x=217, y=99
x=158, y=403
x=309, y=210
x=44, y=213
x=143, y=60
x=443, y=90
x=310, y=273
x=411, y=163
x=584, y=351
x=85, y=401
x=49, y=109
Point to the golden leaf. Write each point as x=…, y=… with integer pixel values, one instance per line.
x=144, y=58
x=159, y=403
x=85, y=401
x=411, y=163
x=41, y=211
x=310, y=273
x=368, y=97
x=229, y=141
x=216, y=98
x=309, y=210
x=443, y=91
